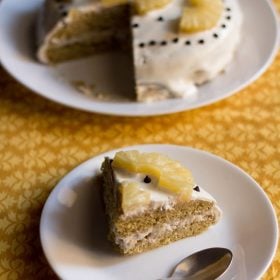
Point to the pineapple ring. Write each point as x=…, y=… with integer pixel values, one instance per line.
x=171, y=175
x=201, y=15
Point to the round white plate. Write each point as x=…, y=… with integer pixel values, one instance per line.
x=73, y=232
x=17, y=47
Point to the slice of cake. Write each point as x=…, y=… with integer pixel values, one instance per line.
x=173, y=45
x=71, y=29
x=151, y=200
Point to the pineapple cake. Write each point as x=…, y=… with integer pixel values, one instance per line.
x=173, y=45
x=151, y=200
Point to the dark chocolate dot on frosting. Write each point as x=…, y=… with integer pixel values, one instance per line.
x=223, y=26
x=188, y=43
x=142, y=45
x=152, y=43
x=228, y=9
x=160, y=19
x=64, y=13
x=135, y=25
x=201, y=42
x=163, y=43
x=196, y=188
x=228, y=17
x=175, y=40
x=215, y=35
x=147, y=180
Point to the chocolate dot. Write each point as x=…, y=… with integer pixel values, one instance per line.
x=141, y=45
x=152, y=43
x=223, y=26
x=228, y=17
x=197, y=189
x=135, y=25
x=215, y=35
x=228, y=9
x=160, y=19
x=201, y=42
x=175, y=40
x=147, y=180
x=188, y=43
x=163, y=43
x=64, y=13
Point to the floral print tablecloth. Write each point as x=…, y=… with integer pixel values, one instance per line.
x=41, y=141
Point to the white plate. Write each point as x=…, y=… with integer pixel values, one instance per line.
x=254, y=55
x=73, y=234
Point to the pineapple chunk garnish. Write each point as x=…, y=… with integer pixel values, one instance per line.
x=132, y=197
x=201, y=15
x=127, y=160
x=145, y=6
x=171, y=175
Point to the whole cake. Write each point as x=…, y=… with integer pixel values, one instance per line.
x=174, y=45
x=151, y=200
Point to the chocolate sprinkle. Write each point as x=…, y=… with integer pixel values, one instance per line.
x=160, y=19
x=163, y=43
x=197, y=189
x=135, y=25
x=228, y=9
x=64, y=13
x=188, y=43
x=228, y=17
x=147, y=180
x=215, y=35
x=223, y=26
x=201, y=42
x=142, y=45
x=175, y=40
x=152, y=43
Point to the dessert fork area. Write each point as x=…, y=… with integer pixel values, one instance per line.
x=41, y=141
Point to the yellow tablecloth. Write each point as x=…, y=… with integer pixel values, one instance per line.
x=41, y=141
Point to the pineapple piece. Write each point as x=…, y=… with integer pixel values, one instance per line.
x=127, y=160
x=132, y=197
x=171, y=175
x=145, y=6
x=201, y=15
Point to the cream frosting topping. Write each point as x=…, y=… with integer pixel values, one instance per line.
x=172, y=64
x=159, y=198
x=179, y=62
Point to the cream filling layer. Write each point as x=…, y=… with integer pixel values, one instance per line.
x=153, y=234
x=82, y=38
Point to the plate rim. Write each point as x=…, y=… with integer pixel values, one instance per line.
x=146, y=113
x=257, y=187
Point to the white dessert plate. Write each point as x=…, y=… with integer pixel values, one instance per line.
x=109, y=72
x=73, y=232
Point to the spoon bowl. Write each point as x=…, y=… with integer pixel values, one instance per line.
x=207, y=264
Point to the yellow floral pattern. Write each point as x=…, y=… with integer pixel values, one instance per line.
x=41, y=141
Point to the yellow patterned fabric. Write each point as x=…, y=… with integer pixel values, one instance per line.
x=41, y=141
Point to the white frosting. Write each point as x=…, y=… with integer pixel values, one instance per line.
x=171, y=70
x=152, y=234
x=160, y=198
x=177, y=66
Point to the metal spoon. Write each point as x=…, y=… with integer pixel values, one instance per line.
x=207, y=264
